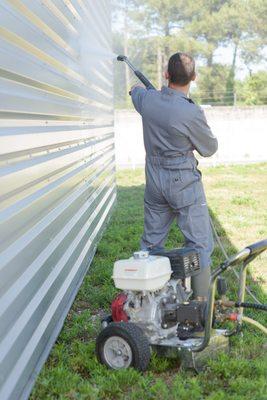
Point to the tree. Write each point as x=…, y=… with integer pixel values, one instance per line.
x=161, y=20
x=253, y=90
x=234, y=15
x=212, y=77
x=206, y=26
x=231, y=23
x=243, y=33
x=255, y=41
x=152, y=30
x=121, y=14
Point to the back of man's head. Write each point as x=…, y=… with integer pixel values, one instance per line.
x=181, y=69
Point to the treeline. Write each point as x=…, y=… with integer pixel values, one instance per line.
x=149, y=31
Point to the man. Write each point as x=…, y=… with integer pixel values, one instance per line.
x=173, y=127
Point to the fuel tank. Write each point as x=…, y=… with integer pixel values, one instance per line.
x=142, y=272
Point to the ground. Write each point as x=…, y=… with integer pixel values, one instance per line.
x=237, y=201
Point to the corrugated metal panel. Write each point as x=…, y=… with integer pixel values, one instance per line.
x=56, y=170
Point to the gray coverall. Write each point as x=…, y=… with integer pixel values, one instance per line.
x=173, y=126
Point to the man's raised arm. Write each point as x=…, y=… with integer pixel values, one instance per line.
x=201, y=135
x=138, y=93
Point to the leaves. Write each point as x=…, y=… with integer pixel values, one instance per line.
x=159, y=28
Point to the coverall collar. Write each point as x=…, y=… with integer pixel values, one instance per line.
x=170, y=91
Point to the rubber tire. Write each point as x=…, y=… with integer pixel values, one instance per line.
x=133, y=335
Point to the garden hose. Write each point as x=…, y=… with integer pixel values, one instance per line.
x=254, y=323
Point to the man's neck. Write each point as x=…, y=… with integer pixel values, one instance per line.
x=184, y=89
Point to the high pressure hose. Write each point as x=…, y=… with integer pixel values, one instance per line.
x=262, y=307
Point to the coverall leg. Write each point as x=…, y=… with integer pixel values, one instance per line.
x=174, y=190
x=194, y=223
x=158, y=215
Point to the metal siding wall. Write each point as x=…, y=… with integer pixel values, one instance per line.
x=56, y=170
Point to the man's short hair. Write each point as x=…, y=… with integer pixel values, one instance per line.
x=181, y=68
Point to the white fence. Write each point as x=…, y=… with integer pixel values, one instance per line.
x=241, y=132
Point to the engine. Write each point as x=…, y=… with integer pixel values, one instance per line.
x=157, y=298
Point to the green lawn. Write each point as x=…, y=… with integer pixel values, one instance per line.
x=237, y=199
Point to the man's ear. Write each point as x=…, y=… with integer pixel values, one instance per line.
x=194, y=77
x=166, y=74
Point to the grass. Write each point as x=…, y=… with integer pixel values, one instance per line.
x=237, y=200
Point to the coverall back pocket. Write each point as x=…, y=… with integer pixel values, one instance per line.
x=179, y=184
x=183, y=198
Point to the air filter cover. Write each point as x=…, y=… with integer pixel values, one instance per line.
x=184, y=261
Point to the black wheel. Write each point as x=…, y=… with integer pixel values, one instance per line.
x=123, y=345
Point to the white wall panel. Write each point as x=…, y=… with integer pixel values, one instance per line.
x=57, y=185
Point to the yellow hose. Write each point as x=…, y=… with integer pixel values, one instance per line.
x=255, y=323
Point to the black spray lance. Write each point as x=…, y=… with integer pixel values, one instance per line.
x=139, y=74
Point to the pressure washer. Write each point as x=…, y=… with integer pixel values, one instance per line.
x=155, y=310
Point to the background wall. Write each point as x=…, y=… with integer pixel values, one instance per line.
x=56, y=170
x=242, y=135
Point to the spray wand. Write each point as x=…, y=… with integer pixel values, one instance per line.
x=139, y=74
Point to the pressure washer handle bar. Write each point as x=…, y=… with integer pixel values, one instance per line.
x=244, y=256
x=232, y=261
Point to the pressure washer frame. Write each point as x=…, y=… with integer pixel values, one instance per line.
x=244, y=257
